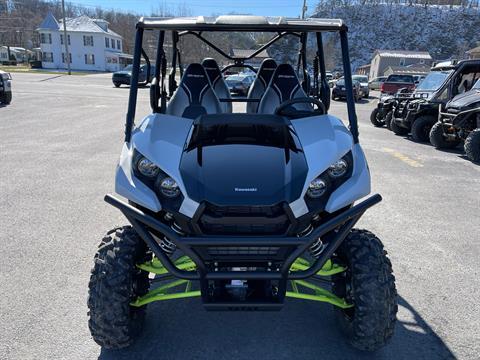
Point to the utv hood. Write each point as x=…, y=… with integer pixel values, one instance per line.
x=246, y=161
x=464, y=100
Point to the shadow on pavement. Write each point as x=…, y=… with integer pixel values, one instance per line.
x=302, y=330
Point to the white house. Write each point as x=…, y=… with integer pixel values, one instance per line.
x=91, y=45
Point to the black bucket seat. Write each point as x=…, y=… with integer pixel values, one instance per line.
x=218, y=83
x=283, y=86
x=194, y=96
x=264, y=75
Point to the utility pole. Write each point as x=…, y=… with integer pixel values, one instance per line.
x=65, y=38
x=304, y=8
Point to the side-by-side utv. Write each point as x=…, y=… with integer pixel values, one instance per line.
x=241, y=206
x=417, y=116
x=459, y=122
x=406, y=99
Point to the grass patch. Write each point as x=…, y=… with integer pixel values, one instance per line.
x=27, y=69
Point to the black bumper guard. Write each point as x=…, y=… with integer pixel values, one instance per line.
x=342, y=224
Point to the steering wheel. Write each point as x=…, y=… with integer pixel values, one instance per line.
x=286, y=108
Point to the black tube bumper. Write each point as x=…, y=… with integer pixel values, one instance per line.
x=342, y=224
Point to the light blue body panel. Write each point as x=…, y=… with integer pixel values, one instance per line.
x=161, y=138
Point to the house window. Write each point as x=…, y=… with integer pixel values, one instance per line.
x=87, y=40
x=47, y=57
x=69, y=58
x=3, y=55
x=113, y=43
x=89, y=59
x=107, y=42
x=119, y=45
x=422, y=61
x=61, y=39
x=45, y=38
x=402, y=62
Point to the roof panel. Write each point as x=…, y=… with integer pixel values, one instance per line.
x=241, y=23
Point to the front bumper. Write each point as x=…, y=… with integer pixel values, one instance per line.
x=332, y=232
x=124, y=80
x=457, y=118
x=341, y=93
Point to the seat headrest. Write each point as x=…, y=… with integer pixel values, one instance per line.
x=285, y=82
x=266, y=70
x=195, y=82
x=213, y=70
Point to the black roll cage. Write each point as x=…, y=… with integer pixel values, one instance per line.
x=158, y=92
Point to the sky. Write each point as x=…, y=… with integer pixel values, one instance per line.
x=291, y=8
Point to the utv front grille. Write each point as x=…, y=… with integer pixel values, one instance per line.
x=244, y=220
x=242, y=250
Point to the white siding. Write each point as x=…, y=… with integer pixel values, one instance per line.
x=78, y=51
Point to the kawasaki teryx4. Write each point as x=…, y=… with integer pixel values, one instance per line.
x=459, y=122
x=241, y=209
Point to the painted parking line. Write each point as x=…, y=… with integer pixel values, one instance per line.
x=407, y=160
x=51, y=78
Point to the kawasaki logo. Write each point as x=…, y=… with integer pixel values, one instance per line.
x=246, y=189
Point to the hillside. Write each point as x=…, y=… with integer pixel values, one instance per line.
x=443, y=31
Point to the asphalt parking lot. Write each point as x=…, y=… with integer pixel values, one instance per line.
x=60, y=140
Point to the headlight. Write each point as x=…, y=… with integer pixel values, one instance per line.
x=338, y=169
x=317, y=188
x=169, y=187
x=332, y=178
x=147, y=168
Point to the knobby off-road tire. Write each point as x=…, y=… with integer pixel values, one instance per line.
x=438, y=139
x=472, y=146
x=397, y=129
x=421, y=128
x=374, y=119
x=388, y=119
x=368, y=283
x=115, y=281
x=6, y=98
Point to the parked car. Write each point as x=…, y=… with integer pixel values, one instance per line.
x=376, y=83
x=339, y=90
x=396, y=82
x=240, y=83
x=5, y=88
x=122, y=77
x=363, y=80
